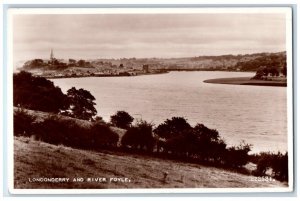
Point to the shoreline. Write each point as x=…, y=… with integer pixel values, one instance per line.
x=102, y=75
x=245, y=81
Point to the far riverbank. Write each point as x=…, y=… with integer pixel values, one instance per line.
x=246, y=81
x=102, y=75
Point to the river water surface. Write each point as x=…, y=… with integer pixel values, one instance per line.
x=255, y=114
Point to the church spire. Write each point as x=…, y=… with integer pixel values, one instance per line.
x=51, y=55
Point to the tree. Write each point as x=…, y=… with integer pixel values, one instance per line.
x=273, y=71
x=237, y=156
x=280, y=166
x=72, y=61
x=23, y=123
x=284, y=69
x=139, y=136
x=121, y=119
x=259, y=73
x=81, y=104
x=37, y=93
x=172, y=127
x=278, y=162
x=207, y=143
x=103, y=136
x=81, y=63
x=173, y=132
x=35, y=63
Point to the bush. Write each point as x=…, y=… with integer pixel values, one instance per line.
x=208, y=143
x=23, y=123
x=103, y=136
x=57, y=131
x=180, y=139
x=172, y=127
x=237, y=156
x=139, y=136
x=121, y=119
x=277, y=162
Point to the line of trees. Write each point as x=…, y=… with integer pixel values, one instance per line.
x=55, y=64
x=272, y=71
x=66, y=131
x=175, y=138
x=266, y=60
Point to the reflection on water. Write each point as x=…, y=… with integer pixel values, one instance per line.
x=256, y=114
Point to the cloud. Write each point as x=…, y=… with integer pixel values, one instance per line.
x=146, y=35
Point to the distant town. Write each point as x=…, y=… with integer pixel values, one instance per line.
x=60, y=68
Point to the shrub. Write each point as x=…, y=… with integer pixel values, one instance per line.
x=139, y=136
x=68, y=132
x=56, y=131
x=172, y=127
x=208, y=143
x=277, y=162
x=103, y=136
x=280, y=167
x=23, y=123
x=237, y=156
x=121, y=119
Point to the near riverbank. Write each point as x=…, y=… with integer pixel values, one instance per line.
x=246, y=81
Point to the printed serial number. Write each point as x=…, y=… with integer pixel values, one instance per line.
x=262, y=179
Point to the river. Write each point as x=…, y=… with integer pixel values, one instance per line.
x=255, y=114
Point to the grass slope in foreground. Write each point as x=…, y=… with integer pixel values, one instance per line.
x=246, y=81
x=35, y=159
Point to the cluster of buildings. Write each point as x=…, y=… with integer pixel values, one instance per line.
x=55, y=68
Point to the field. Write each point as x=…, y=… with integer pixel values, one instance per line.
x=35, y=159
x=246, y=81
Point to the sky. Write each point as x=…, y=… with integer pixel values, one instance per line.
x=93, y=36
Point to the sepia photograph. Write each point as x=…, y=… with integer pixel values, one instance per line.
x=151, y=100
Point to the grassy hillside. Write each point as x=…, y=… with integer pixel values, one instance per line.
x=35, y=159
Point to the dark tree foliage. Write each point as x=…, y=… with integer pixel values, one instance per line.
x=68, y=132
x=139, y=136
x=284, y=69
x=181, y=144
x=280, y=167
x=37, y=93
x=57, y=131
x=237, y=156
x=265, y=71
x=208, y=143
x=81, y=104
x=23, y=123
x=271, y=60
x=103, y=136
x=172, y=128
x=121, y=119
x=277, y=162
x=183, y=140
x=35, y=63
